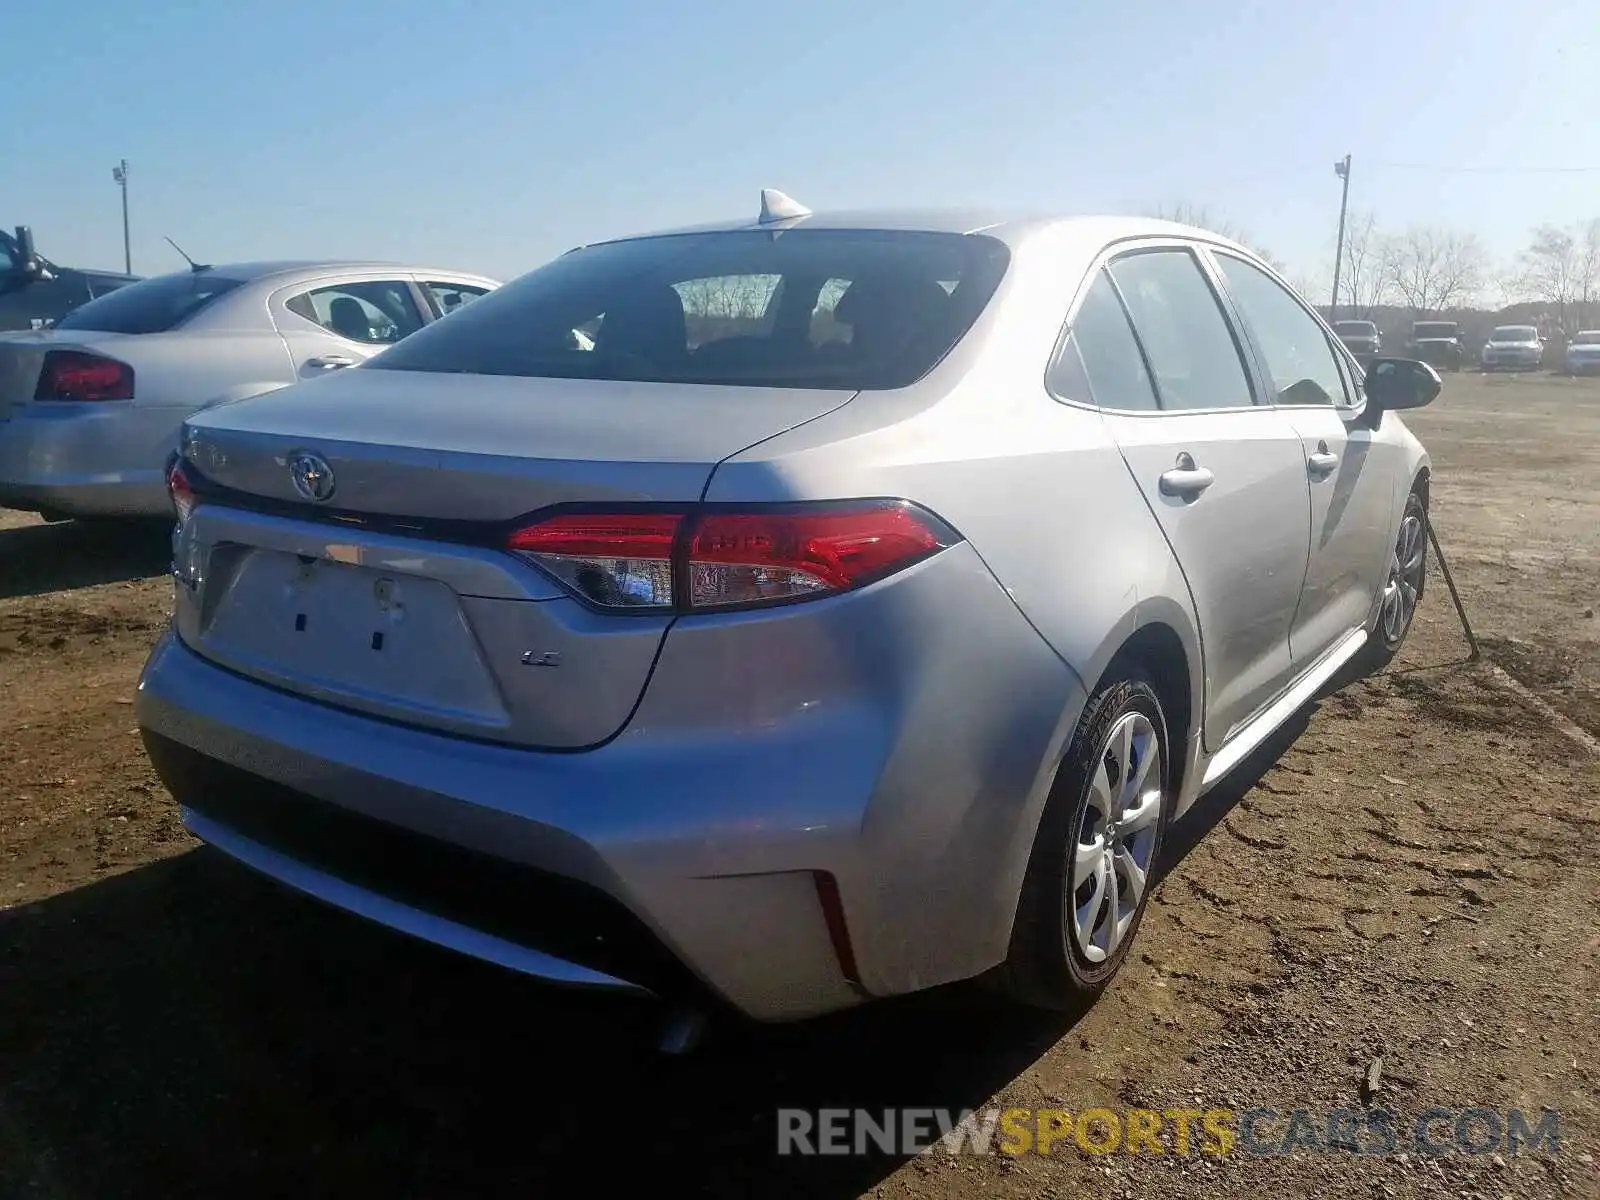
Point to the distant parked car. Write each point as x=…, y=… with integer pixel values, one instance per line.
x=1583, y=353
x=90, y=409
x=1513, y=348
x=1361, y=338
x=1439, y=343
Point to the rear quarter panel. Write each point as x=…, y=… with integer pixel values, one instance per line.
x=1037, y=486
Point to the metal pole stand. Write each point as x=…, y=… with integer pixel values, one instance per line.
x=1474, y=653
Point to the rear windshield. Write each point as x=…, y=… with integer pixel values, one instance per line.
x=151, y=305
x=1433, y=330
x=824, y=308
x=1514, y=333
x=1359, y=328
x=1587, y=337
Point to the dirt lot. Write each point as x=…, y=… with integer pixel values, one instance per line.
x=1412, y=871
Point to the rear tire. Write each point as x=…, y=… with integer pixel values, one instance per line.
x=1099, y=840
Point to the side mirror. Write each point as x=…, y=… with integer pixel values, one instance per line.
x=1400, y=383
x=29, y=265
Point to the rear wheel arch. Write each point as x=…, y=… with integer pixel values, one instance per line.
x=1151, y=662
x=1157, y=651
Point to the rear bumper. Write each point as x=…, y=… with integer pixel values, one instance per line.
x=898, y=769
x=88, y=460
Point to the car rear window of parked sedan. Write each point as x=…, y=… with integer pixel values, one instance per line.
x=818, y=308
x=151, y=305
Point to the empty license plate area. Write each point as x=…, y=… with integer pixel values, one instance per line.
x=389, y=643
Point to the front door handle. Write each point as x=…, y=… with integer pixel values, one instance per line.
x=1323, y=461
x=1186, y=479
x=330, y=362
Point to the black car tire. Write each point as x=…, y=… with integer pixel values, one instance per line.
x=1045, y=967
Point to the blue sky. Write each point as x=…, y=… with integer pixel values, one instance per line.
x=492, y=135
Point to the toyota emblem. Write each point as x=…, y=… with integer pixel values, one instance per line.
x=311, y=475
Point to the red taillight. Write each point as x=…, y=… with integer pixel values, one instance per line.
x=74, y=375
x=719, y=560
x=618, y=560
x=748, y=558
x=181, y=490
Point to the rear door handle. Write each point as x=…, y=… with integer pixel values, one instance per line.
x=330, y=362
x=1186, y=479
x=1323, y=461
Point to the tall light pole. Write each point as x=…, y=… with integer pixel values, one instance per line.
x=120, y=174
x=1342, y=170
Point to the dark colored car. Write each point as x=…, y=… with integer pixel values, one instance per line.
x=1438, y=343
x=35, y=293
x=1361, y=338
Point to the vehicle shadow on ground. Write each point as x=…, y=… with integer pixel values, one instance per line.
x=35, y=559
x=189, y=1028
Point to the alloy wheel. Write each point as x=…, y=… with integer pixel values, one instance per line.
x=1404, y=585
x=1113, y=852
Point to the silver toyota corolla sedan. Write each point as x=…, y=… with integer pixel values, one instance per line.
x=90, y=409
x=851, y=610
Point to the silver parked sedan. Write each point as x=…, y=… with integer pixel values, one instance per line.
x=849, y=612
x=90, y=409
x=1582, y=355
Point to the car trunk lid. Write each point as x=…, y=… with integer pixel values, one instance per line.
x=395, y=597
x=22, y=359
x=470, y=447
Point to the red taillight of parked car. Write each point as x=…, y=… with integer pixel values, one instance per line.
x=181, y=490
x=75, y=375
x=722, y=559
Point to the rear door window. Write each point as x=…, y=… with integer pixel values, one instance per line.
x=151, y=305
x=1186, y=338
x=375, y=312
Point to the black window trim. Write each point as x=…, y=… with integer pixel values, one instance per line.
x=1336, y=347
x=1126, y=247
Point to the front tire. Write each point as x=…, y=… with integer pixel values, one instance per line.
x=1403, y=586
x=1095, y=853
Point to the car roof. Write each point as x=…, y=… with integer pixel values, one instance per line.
x=249, y=272
x=1007, y=225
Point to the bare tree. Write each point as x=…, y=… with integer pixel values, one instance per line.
x=725, y=306
x=1201, y=217
x=1431, y=269
x=1549, y=271
x=1588, y=272
x=1364, y=283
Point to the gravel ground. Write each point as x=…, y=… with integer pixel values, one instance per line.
x=1410, y=874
